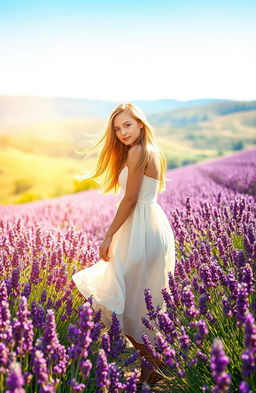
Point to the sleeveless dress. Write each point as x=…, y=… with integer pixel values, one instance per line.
x=142, y=252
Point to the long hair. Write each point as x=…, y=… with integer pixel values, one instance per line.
x=113, y=154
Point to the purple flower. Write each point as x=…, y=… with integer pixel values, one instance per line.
x=35, y=271
x=85, y=367
x=247, y=277
x=101, y=371
x=131, y=385
x=27, y=289
x=242, y=301
x=132, y=358
x=3, y=291
x=6, y=335
x=202, y=328
x=117, y=342
x=69, y=305
x=105, y=342
x=149, y=346
x=23, y=329
x=76, y=386
x=54, y=352
x=248, y=356
x=149, y=304
x=38, y=315
x=73, y=334
x=161, y=343
x=4, y=357
x=184, y=341
x=43, y=296
x=227, y=308
x=232, y=283
x=203, y=303
x=114, y=376
x=40, y=367
x=219, y=360
x=174, y=288
x=95, y=332
x=250, y=331
x=205, y=274
x=167, y=298
x=187, y=296
x=15, y=280
x=15, y=379
x=147, y=323
x=202, y=356
x=244, y=387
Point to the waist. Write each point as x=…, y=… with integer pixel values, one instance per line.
x=149, y=201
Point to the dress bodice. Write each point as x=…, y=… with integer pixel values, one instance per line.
x=149, y=188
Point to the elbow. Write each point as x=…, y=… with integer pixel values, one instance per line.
x=130, y=201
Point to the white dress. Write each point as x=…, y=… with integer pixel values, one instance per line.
x=142, y=252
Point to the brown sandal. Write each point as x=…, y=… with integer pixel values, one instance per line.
x=154, y=378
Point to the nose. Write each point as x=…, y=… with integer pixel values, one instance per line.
x=123, y=132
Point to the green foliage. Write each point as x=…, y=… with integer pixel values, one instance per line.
x=238, y=145
x=22, y=184
x=84, y=185
x=27, y=197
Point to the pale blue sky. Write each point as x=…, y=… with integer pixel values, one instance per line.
x=129, y=50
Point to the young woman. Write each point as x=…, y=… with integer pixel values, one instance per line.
x=139, y=245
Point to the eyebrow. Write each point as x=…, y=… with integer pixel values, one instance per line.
x=123, y=123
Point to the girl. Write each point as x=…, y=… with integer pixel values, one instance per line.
x=138, y=250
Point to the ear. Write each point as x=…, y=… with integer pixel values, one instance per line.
x=141, y=124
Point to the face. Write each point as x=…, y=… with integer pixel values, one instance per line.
x=125, y=126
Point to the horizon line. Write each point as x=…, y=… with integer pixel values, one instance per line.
x=116, y=100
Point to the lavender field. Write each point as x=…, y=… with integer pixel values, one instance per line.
x=51, y=340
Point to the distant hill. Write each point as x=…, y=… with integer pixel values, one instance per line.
x=16, y=111
x=184, y=117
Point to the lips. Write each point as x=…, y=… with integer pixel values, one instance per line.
x=125, y=139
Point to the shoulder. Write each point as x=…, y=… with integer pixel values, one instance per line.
x=135, y=152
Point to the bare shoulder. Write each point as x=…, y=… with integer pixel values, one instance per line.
x=135, y=151
x=134, y=155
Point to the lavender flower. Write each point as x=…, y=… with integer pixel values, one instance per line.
x=4, y=357
x=131, y=385
x=105, y=342
x=248, y=355
x=219, y=360
x=242, y=301
x=85, y=367
x=40, y=367
x=76, y=386
x=114, y=376
x=54, y=352
x=244, y=387
x=15, y=379
x=117, y=343
x=149, y=304
x=132, y=358
x=101, y=371
x=23, y=329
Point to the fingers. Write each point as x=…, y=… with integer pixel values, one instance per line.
x=103, y=256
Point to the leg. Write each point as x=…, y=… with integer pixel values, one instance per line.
x=145, y=372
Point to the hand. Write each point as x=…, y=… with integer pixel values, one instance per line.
x=104, y=248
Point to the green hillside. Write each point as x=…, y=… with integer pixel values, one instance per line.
x=39, y=161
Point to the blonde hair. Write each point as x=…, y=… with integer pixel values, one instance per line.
x=113, y=154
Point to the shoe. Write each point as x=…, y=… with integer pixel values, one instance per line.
x=154, y=378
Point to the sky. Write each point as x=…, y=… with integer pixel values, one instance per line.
x=129, y=50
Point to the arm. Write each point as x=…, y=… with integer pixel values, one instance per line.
x=134, y=181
